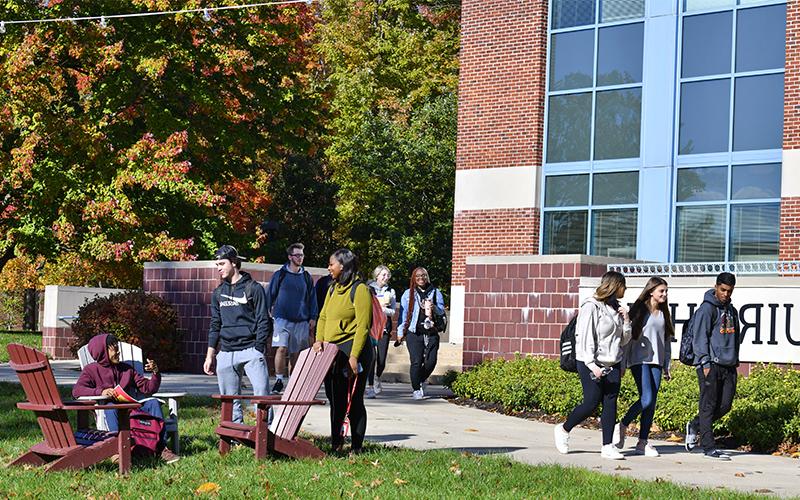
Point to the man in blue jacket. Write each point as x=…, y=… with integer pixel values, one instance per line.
x=239, y=330
x=294, y=311
x=716, y=350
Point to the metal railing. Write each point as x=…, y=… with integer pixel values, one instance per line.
x=790, y=267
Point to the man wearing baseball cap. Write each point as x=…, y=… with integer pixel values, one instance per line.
x=240, y=327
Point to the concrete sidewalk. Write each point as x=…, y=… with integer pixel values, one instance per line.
x=395, y=419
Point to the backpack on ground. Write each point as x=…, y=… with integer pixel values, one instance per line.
x=686, y=352
x=378, y=323
x=567, y=342
x=145, y=433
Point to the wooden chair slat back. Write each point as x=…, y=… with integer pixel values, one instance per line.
x=40, y=388
x=307, y=377
x=128, y=353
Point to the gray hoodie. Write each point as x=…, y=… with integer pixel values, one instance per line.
x=716, y=333
x=600, y=334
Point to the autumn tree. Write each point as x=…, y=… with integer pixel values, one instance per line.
x=392, y=74
x=151, y=138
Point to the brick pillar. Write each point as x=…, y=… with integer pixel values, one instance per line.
x=790, y=182
x=521, y=304
x=188, y=287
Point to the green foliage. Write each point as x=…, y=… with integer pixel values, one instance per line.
x=381, y=472
x=392, y=72
x=764, y=414
x=134, y=317
x=152, y=138
x=32, y=339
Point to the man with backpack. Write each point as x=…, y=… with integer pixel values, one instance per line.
x=240, y=327
x=715, y=342
x=294, y=311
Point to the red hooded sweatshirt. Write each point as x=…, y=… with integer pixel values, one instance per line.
x=103, y=374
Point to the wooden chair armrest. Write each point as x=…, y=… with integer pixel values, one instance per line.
x=268, y=400
x=79, y=406
x=169, y=395
x=115, y=406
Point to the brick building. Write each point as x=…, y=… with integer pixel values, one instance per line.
x=656, y=130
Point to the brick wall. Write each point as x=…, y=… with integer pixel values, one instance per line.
x=790, y=229
x=519, y=307
x=56, y=340
x=791, y=78
x=188, y=286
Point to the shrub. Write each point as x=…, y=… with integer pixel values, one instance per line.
x=765, y=413
x=134, y=317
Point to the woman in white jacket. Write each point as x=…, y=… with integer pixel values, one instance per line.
x=603, y=328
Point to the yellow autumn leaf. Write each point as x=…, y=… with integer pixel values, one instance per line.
x=376, y=482
x=207, y=488
x=400, y=482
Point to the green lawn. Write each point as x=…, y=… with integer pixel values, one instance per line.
x=30, y=339
x=380, y=473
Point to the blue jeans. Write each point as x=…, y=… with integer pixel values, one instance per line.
x=151, y=406
x=648, y=380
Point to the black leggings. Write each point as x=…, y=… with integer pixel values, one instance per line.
x=423, y=355
x=379, y=360
x=604, y=390
x=337, y=387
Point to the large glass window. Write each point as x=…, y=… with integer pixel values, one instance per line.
x=607, y=226
x=595, y=82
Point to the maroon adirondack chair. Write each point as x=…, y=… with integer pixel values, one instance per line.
x=290, y=410
x=61, y=448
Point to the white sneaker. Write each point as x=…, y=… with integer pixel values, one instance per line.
x=619, y=435
x=610, y=452
x=369, y=393
x=562, y=439
x=378, y=386
x=418, y=394
x=644, y=448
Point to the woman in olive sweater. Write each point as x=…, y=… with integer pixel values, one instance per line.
x=345, y=320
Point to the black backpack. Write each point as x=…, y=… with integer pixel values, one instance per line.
x=686, y=352
x=567, y=361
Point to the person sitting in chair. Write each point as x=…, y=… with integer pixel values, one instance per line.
x=101, y=377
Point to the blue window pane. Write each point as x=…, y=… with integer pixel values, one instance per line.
x=752, y=182
x=566, y=190
x=705, y=112
x=619, y=56
x=615, y=188
x=755, y=232
x=700, y=234
x=758, y=113
x=690, y=5
x=569, y=125
x=564, y=232
x=761, y=38
x=571, y=60
x=614, y=233
x=618, y=123
x=568, y=13
x=702, y=184
x=619, y=10
x=706, y=44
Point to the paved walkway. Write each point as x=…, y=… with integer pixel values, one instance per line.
x=396, y=419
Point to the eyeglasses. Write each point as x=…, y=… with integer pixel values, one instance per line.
x=298, y=255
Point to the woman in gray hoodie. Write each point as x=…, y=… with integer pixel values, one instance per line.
x=603, y=328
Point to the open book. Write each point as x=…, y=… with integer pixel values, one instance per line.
x=121, y=396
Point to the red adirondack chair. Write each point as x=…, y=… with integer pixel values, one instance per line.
x=291, y=408
x=60, y=448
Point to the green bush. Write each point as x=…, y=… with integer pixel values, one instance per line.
x=765, y=413
x=134, y=317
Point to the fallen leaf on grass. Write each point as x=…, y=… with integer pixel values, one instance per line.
x=376, y=463
x=739, y=474
x=627, y=492
x=400, y=482
x=207, y=489
x=357, y=484
x=348, y=474
x=376, y=482
x=267, y=487
x=315, y=477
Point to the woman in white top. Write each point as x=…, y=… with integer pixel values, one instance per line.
x=603, y=328
x=648, y=356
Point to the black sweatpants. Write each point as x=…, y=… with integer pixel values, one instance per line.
x=379, y=361
x=717, y=390
x=604, y=390
x=423, y=352
x=337, y=388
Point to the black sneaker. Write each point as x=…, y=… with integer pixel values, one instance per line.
x=278, y=387
x=690, y=442
x=717, y=455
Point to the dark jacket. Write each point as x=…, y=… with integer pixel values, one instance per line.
x=292, y=296
x=103, y=374
x=239, y=321
x=716, y=333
